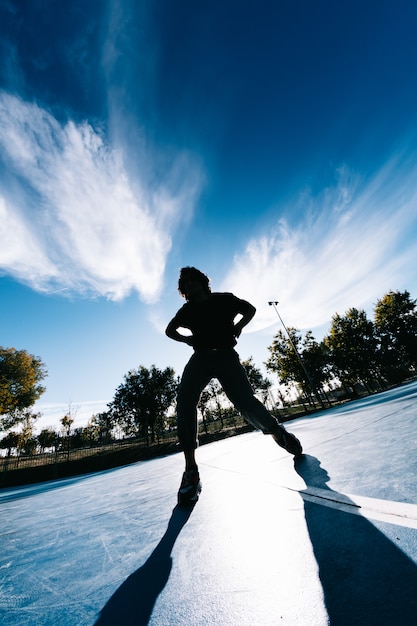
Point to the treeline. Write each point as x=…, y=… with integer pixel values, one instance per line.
x=143, y=407
x=356, y=352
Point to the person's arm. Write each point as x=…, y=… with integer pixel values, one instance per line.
x=247, y=310
x=171, y=331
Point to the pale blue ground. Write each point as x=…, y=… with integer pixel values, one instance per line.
x=265, y=544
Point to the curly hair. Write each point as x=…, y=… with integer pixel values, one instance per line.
x=194, y=273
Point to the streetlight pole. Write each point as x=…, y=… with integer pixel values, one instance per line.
x=274, y=303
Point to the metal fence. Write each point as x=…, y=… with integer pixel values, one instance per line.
x=57, y=462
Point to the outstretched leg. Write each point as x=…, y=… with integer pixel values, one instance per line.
x=233, y=378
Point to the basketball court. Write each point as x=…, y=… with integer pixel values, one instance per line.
x=329, y=540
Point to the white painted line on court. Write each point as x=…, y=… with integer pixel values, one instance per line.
x=399, y=513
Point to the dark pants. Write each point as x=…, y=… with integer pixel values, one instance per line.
x=226, y=367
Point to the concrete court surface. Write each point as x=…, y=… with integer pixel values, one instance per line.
x=332, y=540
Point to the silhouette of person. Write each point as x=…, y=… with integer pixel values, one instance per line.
x=133, y=602
x=216, y=321
x=366, y=578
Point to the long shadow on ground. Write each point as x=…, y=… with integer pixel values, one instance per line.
x=133, y=603
x=366, y=579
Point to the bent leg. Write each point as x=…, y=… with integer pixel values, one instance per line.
x=194, y=378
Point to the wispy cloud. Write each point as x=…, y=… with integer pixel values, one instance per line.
x=71, y=215
x=356, y=242
x=52, y=413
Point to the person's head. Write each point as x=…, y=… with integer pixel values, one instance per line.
x=190, y=276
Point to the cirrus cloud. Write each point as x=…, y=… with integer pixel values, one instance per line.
x=355, y=243
x=72, y=217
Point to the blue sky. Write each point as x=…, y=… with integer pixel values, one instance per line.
x=272, y=144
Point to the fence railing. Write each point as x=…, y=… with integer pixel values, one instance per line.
x=57, y=461
x=67, y=454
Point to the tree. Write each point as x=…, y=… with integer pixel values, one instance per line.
x=316, y=359
x=141, y=403
x=283, y=360
x=300, y=361
x=80, y=438
x=10, y=441
x=99, y=428
x=47, y=438
x=203, y=405
x=20, y=376
x=259, y=383
x=67, y=422
x=395, y=318
x=352, y=345
x=211, y=402
x=28, y=443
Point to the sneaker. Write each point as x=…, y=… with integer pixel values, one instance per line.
x=287, y=441
x=190, y=487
